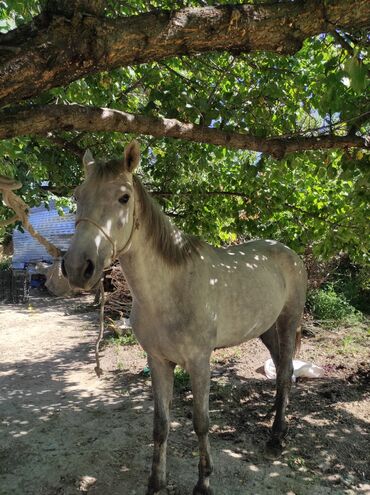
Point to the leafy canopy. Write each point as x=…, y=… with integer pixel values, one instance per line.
x=316, y=199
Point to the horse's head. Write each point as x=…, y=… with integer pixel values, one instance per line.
x=104, y=218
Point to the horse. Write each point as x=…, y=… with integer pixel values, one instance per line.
x=189, y=298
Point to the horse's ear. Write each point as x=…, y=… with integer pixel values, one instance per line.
x=132, y=156
x=87, y=161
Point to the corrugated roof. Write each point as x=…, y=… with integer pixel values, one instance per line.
x=56, y=228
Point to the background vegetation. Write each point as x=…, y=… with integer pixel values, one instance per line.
x=315, y=201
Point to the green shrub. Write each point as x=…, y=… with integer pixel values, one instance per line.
x=5, y=263
x=328, y=305
x=182, y=378
x=355, y=287
x=126, y=339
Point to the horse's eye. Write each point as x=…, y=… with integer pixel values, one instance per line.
x=124, y=199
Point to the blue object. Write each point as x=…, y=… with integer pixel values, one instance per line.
x=55, y=228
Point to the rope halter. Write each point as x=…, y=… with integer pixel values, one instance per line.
x=115, y=253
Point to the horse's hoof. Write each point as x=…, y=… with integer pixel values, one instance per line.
x=202, y=490
x=155, y=489
x=273, y=449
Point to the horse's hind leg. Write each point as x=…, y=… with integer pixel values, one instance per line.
x=286, y=328
x=162, y=383
x=271, y=341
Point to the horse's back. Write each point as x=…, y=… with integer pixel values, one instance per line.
x=262, y=258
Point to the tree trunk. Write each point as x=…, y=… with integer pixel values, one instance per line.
x=58, y=48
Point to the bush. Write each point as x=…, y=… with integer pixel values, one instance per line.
x=327, y=305
x=354, y=285
x=5, y=263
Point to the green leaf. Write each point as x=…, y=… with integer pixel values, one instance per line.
x=357, y=72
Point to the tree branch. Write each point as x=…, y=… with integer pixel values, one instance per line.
x=56, y=49
x=41, y=120
x=166, y=194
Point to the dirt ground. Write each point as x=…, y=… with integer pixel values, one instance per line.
x=64, y=431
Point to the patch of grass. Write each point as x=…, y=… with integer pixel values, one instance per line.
x=182, y=378
x=127, y=339
x=295, y=462
x=355, y=341
x=327, y=306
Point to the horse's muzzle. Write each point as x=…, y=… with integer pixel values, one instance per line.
x=80, y=275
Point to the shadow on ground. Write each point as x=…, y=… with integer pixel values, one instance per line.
x=65, y=432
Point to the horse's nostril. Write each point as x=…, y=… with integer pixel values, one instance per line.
x=64, y=271
x=89, y=270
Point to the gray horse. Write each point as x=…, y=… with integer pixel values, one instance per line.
x=189, y=298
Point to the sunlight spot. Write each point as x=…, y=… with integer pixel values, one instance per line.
x=241, y=252
x=257, y=257
x=254, y=468
x=106, y=114
x=274, y=475
x=20, y=434
x=231, y=254
x=108, y=226
x=213, y=281
x=97, y=241
x=250, y=266
x=232, y=454
x=177, y=237
x=201, y=257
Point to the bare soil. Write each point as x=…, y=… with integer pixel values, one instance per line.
x=63, y=431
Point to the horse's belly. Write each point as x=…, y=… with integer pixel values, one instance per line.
x=240, y=319
x=231, y=332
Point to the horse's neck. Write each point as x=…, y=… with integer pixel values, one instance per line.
x=148, y=274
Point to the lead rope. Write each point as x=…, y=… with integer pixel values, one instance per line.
x=98, y=369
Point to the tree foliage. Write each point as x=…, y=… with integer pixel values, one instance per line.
x=316, y=198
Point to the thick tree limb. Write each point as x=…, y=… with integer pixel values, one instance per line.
x=56, y=49
x=40, y=120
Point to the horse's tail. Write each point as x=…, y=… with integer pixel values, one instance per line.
x=298, y=338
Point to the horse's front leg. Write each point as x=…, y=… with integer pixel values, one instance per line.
x=162, y=383
x=200, y=381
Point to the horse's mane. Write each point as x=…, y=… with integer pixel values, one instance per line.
x=172, y=244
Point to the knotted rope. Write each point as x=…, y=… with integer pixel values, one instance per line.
x=11, y=200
